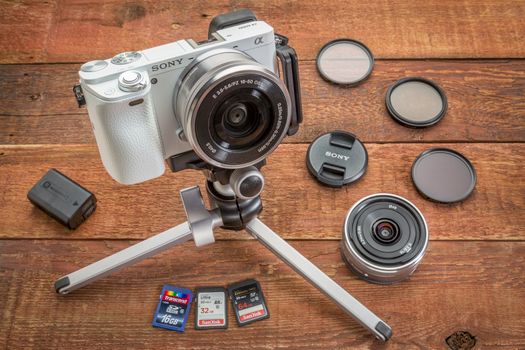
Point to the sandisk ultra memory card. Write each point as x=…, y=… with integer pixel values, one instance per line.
x=211, y=309
x=248, y=302
x=173, y=309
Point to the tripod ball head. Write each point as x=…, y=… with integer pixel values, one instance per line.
x=247, y=182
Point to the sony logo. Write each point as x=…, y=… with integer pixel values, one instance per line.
x=164, y=65
x=336, y=155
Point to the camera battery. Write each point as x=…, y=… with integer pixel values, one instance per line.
x=173, y=309
x=62, y=198
x=211, y=308
x=248, y=302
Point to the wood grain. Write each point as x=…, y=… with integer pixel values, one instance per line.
x=76, y=31
x=296, y=206
x=485, y=103
x=472, y=286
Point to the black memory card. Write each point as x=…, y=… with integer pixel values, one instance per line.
x=211, y=308
x=248, y=302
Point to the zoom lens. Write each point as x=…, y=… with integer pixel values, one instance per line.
x=384, y=238
x=234, y=111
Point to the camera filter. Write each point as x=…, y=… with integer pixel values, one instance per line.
x=416, y=102
x=384, y=238
x=443, y=175
x=345, y=62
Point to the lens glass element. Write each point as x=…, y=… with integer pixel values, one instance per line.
x=385, y=231
x=242, y=120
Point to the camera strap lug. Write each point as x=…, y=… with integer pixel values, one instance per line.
x=79, y=95
x=290, y=70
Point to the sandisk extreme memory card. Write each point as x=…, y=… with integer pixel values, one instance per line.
x=248, y=302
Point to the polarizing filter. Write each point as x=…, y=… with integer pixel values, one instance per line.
x=345, y=62
x=416, y=102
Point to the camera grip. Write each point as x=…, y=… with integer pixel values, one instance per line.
x=128, y=138
x=290, y=69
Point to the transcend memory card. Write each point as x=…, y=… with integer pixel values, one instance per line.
x=173, y=309
x=248, y=302
x=211, y=308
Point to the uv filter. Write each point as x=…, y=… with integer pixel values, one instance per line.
x=443, y=175
x=345, y=62
x=416, y=102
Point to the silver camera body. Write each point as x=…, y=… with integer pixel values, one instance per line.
x=188, y=99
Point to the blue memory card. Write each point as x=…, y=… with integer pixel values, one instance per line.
x=173, y=309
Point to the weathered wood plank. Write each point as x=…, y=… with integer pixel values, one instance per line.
x=472, y=286
x=296, y=206
x=485, y=103
x=75, y=31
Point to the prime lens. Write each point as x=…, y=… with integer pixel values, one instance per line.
x=234, y=111
x=384, y=238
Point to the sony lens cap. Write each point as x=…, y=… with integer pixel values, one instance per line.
x=337, y=158
x=443, y=175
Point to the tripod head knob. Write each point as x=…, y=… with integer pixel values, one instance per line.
x=247, y=182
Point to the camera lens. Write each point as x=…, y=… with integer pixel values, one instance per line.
x=234, y=111
x=384, y=238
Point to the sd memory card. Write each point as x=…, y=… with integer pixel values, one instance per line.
x=173, y=309
x=248, y=302
x=211, y=308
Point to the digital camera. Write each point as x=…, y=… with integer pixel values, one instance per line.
x=218, y=103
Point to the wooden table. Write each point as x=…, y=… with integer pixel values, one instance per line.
x=472, y=278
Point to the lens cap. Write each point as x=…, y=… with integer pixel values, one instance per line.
x=416, y=102
x=337, y=158
x=443, y=175
x=345, y=62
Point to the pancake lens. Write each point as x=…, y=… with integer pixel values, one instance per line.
x=384, y=238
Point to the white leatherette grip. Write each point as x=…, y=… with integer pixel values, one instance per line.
x=128, y=137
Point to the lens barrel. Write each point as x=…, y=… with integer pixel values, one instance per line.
x=384, y=238
x=233, y=111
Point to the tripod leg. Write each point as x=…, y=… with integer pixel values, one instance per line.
x=140, y=251
x=319, y=279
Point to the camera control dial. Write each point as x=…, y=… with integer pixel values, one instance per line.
x=131, y=81
x=93, y=66
x=126, y=57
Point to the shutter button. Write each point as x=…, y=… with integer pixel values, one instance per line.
x=131, y=81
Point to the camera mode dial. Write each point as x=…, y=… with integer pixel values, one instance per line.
x=131, y=81
x=126, y=57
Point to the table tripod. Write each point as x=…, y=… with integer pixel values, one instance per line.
x=234, y=207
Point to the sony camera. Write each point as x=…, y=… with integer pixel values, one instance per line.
x=216, y=104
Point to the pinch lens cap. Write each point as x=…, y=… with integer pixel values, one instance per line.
x=337, y=158
x=443, y=175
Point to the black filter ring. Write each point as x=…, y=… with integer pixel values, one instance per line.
x=353, y=42
x=456, y=154
x=406, y=122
